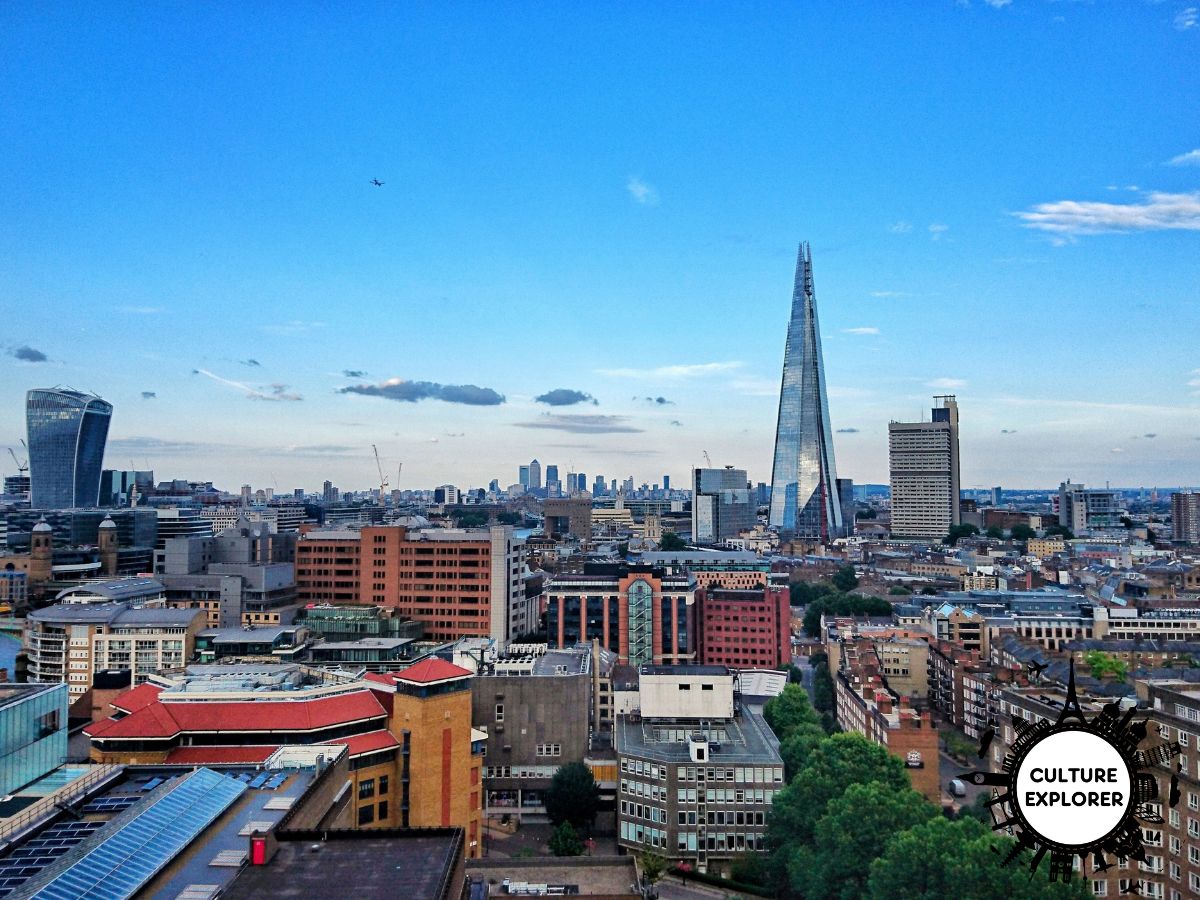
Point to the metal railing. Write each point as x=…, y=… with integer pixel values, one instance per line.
x=46, y=806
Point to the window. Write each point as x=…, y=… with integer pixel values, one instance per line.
x=499, y=712
x=366, y=789
x=1100, y=888
x=383, y=787
x=366, y=815
x=383, y=811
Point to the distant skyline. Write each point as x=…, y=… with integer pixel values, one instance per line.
x=583, y=248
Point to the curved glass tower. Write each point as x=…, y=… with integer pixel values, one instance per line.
x=804, y=494
x=67, y=430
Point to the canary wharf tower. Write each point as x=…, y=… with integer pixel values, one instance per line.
x=804, y=497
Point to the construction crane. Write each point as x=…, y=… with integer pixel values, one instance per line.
x=707, y=458
x=383, y=482
x=22, y=467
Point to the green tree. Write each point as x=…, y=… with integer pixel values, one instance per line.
x=1021, y=532
x=842, y=605
x=978, y=809
x=854, y=830
x=940, y=858
x=653, y=867
x=844, y=579
x=469, y=518
x=1103, y=664
x=572, y=796
x=899, y=590
x=929, y=591
x=565, y=841
x=799, y=745
x=804, y=592
x=836, y=763
x=789, y=711
x=995, y=531
x=671, y=542
x=1066, y=533
x=959, y=531
x=823, y=692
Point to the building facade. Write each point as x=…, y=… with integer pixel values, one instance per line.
x=33, y=733
x=642, y=613
x=804, y=499
x=1185, y=517
x=925, y=479
x=67, y=431
x=746, y=629
x=722, y=506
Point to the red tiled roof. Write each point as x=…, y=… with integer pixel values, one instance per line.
x=371, y=742
x=202, y=756
x=165, y=720
x=136, y=698
x=430, y=670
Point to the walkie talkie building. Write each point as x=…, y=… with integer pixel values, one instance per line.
x=804, y=492
x=67, y=431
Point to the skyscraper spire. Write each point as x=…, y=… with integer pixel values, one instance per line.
x=804, y=492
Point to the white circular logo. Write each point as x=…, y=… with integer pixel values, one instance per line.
x=1073, y=788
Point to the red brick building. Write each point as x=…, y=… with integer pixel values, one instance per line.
x=746, y=629
x=459, y=583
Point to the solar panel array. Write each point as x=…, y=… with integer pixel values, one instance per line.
x=120, y=865
x=115, y=804
x=34, y=855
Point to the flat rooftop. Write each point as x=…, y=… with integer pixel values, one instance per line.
x=745, y=739
x=386, y=863
x=592, y=877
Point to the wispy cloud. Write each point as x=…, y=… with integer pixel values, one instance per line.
x=1008, y=431
x=582, y=424
x=1116, y=450
x=946, y=383
x=1187, y=18
x=565, y=397
x=148, y=395
x=847, y=431
x=28, y=354
x=1157, y=212
x=275, y=392
x=294, y=327
x=354, y=373
x=885, y=294
x=753, y=386
x=137, y=446
x=900, y=227
x=862, y=330
x=642, y=192
x=411, y=391
x=936, y=230
x=1191, y=158
x=675, y=423
x=997, y=4
x=140, y=310
x=657, y=401
x=253, y=363
x=674, y=373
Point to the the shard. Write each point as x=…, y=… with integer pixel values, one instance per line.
x=804, y=488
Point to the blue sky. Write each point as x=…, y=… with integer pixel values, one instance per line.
x=1003, y=201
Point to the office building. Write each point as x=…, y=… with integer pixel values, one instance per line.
x=457, y=582
x=174, y=521
x=666, y=483
x=122, y=488
x=721, y=505
x=699, y=769
x=598, y=487
x=925, y=480
x=1185, y=517
x=535, y=476
x=734, y=569
x=67, y=431
x=1083, y=509
x=523, y=477
x=642, y=613
x=568, y=517
x=804, y=501
x=746, y=629
x=33, y=733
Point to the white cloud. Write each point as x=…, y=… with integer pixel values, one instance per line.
x=293, y=327
x=643, y=193
x=278, y=392
x=695, y=370
x=863, y=330
x=889, y=293
x=1191, y=158
x=1187, y=18
x=900, y=227
x=997, y=4
x=946, y=383
x=936, y=230
x=1158, y=212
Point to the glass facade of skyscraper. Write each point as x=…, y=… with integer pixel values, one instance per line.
x=804, y=495
x=67, y=431
x=33, y=732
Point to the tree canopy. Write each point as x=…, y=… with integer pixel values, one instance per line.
x=565, y=841
x=842, y=605
x=959, y=531
x=572, y=796
x=670, y=542
x=1021, y=532
x=1066, y=533
x=940, y=858
x=844, y=579
x=1103, y=664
